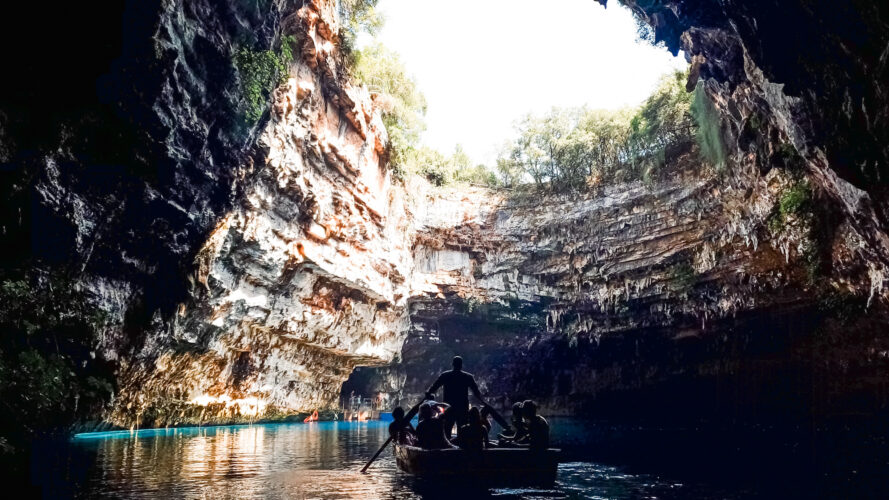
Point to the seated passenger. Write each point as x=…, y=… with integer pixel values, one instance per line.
x=520, y=428
x=401, y=430
x=538, y=427
x=486, y=419
x=430, y=431
x=473, y=435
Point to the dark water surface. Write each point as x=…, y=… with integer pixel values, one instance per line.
x=321, y=460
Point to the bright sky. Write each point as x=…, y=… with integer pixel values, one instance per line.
x=483, y=64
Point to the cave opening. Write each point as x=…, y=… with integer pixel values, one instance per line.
x=664, y=222
x=709, y=338
x=603, y=94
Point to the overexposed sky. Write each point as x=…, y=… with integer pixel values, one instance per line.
x=483, y=64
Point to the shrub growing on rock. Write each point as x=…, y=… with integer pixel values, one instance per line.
x=259, y=72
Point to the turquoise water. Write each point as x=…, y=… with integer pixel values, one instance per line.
x=303, y=461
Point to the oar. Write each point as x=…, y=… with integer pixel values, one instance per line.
x=499, y=418
x=364, y=469
x=407, y=418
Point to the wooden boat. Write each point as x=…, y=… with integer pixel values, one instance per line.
x=491, y=463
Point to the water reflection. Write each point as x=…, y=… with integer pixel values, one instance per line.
x=302, y=461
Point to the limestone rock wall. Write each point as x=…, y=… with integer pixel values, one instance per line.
x=798, y=87
x=304, y=278
x=678, y=301
x=245, y=268
x=721, y=293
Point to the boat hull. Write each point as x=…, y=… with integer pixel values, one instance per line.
x=492, y=463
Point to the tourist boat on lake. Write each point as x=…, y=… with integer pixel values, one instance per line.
x=492, y=463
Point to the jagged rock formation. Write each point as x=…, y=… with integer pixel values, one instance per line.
x=247, y=267
x=798, y=85
x=631, y=298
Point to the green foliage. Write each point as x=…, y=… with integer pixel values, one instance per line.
x=464, y=172
x=572, y=149
x=428, y=163
x=709, y=129
x=402, y=104
x=842, y=305
x=663, y=121
x=795, y=208
x=48, y=376
x=684, y=277
x=788, y=157
x=43, y=382
x=443, y=170
x=812, y=263
x=754, y=122
x=259, y=72
x=357, y=16
x=795, y=200
x=775, y=222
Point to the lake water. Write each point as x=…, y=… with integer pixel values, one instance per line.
x=302, y=461
x=317, y=460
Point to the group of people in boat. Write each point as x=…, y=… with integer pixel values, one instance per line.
x=437, y=420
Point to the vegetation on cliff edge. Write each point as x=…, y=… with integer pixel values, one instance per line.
x=259, y=71
x=578, y=148
x=398, y=97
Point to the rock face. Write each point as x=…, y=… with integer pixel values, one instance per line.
x=246, y=268
x=756, y=303
x=638, y=301
x=808, y=75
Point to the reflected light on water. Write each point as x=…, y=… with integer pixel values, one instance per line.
x=320, y=460
x=296, y=460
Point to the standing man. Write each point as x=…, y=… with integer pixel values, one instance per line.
x=457, y=385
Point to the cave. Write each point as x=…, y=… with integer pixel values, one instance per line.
x=177, y=254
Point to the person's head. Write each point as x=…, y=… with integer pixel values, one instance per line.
x=457, y=363
x=486, y=412
x=398, y=413
x=425, y=412
x=475, y=416
x=529, y=409
x=517, y=411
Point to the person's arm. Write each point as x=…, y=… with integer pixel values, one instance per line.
x=475, y=392
x=524, y=439
x=410, y=414
x=430, y=393
x=444, y=436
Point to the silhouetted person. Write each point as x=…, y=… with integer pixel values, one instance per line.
x=430, y=430
x=486, y=419
x=538, y=427
x=473, y=435
x=520, y=432
x=400, y=429
x=457, y=385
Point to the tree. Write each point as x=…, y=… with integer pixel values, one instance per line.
x=358, y=16
x=572, y=149
x=662, y=121
x=443, y=170
x=402, y=105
